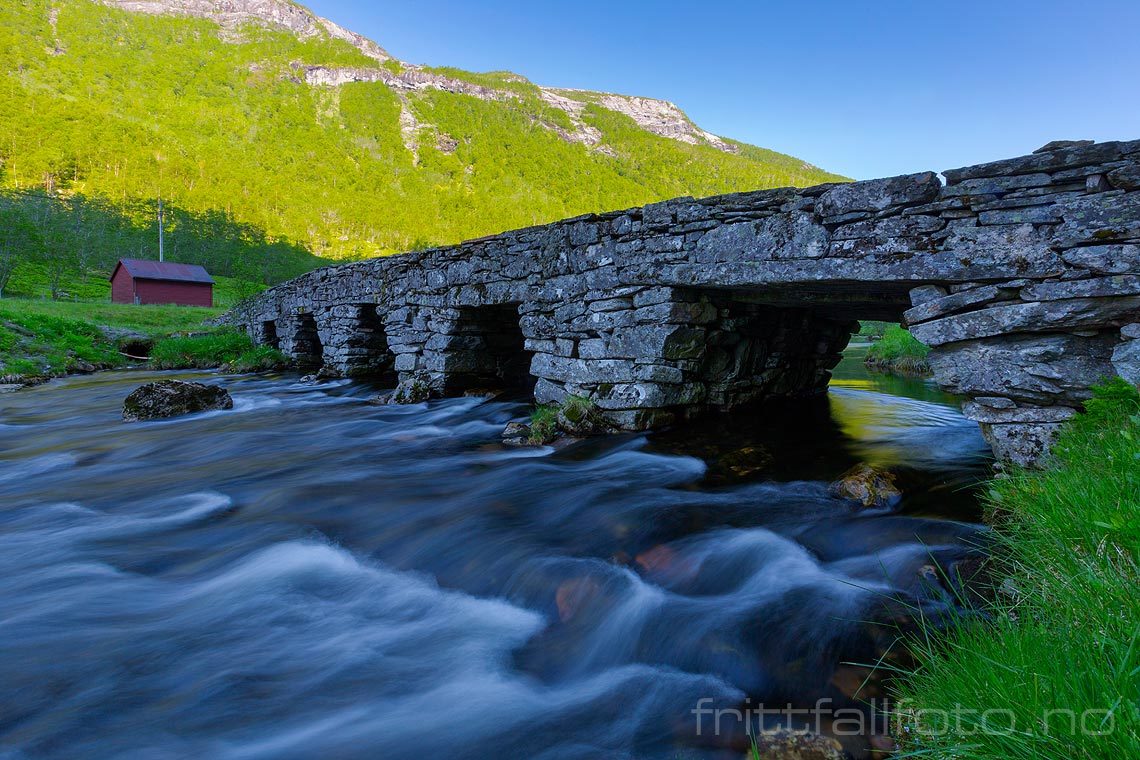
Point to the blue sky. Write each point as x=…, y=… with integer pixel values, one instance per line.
x=865, y=89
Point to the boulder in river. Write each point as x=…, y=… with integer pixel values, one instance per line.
x=173, y=398
x=791, y=744
x=516, y=434
x=870, y=486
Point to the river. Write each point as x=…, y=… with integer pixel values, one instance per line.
x=309, y=575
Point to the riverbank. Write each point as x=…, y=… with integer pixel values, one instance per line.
x=42, y=339
x=896, y=350
x=1052, y=669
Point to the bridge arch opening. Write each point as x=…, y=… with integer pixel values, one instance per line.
x=269, y=336
x=367, y=350
x=488, y=350
x=756, y=350
x=308, y=351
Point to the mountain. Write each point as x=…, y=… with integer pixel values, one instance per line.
x=290, y=126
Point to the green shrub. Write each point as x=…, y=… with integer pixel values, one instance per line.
x=1064, y=634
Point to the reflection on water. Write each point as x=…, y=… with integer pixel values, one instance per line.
x=853, y=374
x=308, y=574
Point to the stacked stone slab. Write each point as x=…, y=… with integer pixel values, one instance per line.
x=1023, y=275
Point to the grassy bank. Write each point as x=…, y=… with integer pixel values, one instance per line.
x=40, y=338
x=898, y=351
x=225, y=348
x=1057, y=661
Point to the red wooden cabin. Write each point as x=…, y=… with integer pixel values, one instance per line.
x=161, y=282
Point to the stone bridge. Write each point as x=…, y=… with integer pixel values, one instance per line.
x=1023, y=276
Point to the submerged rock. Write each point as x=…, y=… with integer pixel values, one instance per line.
x=870, y=486
x=516, y=434
x=173, y=398
x=789, y=744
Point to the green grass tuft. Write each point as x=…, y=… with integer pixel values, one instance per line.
x=1065, y=631
x=259, y=359
x=232, y=349
x=544, y=423
x=898, y=350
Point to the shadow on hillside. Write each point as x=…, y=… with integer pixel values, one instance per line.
x=66, y=235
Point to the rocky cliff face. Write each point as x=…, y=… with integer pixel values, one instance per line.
x=231, y=14
x=658, y=117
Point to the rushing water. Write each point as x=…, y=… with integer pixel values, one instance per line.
x=308, y=575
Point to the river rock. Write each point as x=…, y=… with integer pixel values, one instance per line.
x=173, y=398
x=516, y=434
x=870, y=486
x=787, y=744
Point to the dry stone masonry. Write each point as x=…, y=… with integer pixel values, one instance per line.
x=1023, y=276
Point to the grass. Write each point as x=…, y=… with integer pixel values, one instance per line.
x=575, y=416
x=154, y=321
x=1058, y=656
x=34, y=344
x=897, y=350
x=232, y=350
x=43, y=338
x=544, y=423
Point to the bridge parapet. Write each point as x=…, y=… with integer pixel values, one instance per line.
x=1023, y=275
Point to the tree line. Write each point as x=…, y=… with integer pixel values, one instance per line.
x=67, y=235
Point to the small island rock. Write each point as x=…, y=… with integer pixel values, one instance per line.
x=173, y=398
x=868, y=485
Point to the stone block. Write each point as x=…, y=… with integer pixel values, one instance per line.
x=1126, y=361
x=981, y=412
x=1105, y=259
x=1042, y=316
x=1021, y=444
x=879, y=194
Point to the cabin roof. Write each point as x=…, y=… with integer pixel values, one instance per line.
x=141, y=269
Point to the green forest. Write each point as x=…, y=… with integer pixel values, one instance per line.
x=105, y=111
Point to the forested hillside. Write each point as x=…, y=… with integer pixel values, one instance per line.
x=269, y=145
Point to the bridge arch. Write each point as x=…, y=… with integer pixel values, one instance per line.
x=475, y=346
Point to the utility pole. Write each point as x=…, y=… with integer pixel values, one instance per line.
x=160, y=251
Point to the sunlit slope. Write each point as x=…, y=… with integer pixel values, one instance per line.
x=126, y=105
